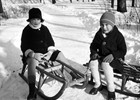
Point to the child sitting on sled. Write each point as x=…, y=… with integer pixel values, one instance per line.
x=106, y=48
x=36, y=41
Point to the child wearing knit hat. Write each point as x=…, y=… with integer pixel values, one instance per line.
x=106, y=48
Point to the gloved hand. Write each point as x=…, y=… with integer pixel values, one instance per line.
x=48, y=55
x=38, y=56
x=108, y=58
x=29, y=53
x=95, y=56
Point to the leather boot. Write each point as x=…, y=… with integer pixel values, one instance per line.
x=32, y=92
x=94, y=90
x=111, y=95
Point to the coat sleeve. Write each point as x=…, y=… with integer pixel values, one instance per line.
x=94, y=46
x=49, y=38
x=121, y=47
x=24, y=45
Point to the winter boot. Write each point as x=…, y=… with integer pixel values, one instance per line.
x=32, y=92
x=111, y=96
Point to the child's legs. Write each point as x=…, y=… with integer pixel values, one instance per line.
x=32, y=63
x=94, y=66
x=109, y=75
x=60, y=57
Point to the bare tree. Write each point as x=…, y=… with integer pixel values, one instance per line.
x=1, y=9
x=112, y=3
x=53, y=1
x=121, y=6
x=134, y=3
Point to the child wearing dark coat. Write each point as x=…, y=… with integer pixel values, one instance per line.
x=106, y=48
x=36, y=41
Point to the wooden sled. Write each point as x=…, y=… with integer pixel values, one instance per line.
x=53, y=79
x=130, y=73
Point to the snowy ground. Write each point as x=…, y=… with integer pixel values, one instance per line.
x=72, y=34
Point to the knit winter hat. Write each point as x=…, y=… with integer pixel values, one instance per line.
x=35, y=13
x=108, y=17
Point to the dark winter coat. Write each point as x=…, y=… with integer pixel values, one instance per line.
x=37, y=40
x=114, y=44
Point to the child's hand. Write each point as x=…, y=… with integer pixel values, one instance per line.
x=48, y=55
x=108, y=58
x=38, y=56
x=95, y=56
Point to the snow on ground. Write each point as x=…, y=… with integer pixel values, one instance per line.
x=72, y=29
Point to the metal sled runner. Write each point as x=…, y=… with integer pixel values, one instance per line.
x=53, y=79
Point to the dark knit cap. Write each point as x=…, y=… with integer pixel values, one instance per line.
x=108, y=17
x=35, y=13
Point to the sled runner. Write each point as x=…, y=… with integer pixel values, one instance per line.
x=53, y=79
x=130, y=73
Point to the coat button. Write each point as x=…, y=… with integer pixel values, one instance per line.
x=104, y=43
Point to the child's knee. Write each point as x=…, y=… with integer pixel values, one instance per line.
x=106, y=67
x=93, y=64
x=32, y=61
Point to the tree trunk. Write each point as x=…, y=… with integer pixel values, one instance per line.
x=112, y=3
x=133, y=3
x=121, y=6
x=1, y=9
x=53, y=1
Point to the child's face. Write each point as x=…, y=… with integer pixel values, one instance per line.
x=35, y=22
x=106, y=28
